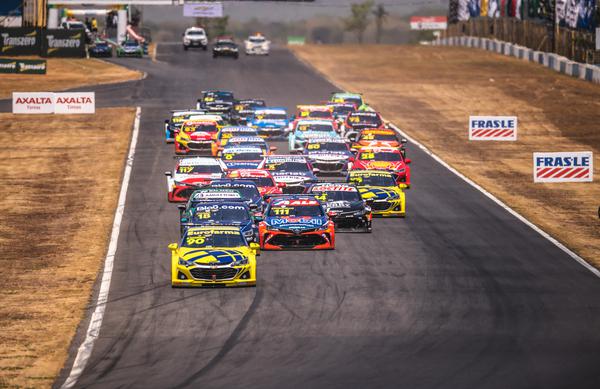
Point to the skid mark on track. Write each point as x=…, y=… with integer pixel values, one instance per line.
x=229, y=344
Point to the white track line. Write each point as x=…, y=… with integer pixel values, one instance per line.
x=537, y=229
x=85, y=350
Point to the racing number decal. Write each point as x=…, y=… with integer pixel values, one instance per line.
x=203, y=215
x=281, y=211
x=199, y=240
x=228, y=156
x=314, y=146
x=322, y=196
x=354, y=119
x=304, y=113
x=367, y=155
x=368, y=137
x=186, y=169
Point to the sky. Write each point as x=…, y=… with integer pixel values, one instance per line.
x=290, y=11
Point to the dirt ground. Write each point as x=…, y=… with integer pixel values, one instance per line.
x=430, y=92
x=66, y=73
x=58, y=193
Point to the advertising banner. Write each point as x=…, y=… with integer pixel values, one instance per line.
x=63, y=43
x=563, y=167
x=31, y=66
x=428, y=23
x=502, y=128
x=20, y=41
x=33, y=102
x=74, y=103
x=8, y=65
x=203, y=10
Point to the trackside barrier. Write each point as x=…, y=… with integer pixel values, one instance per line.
x=553, y=61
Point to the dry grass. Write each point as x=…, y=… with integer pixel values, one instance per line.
x=430, y=93
x=66, y=73
x=59, y=188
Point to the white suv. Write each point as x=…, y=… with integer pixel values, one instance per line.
x=195, y=37
x=257, y=45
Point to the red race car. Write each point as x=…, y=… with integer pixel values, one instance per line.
x=296, y=222
x=191, y=172
x=384, y=158
x=262, y=178
x=196, y=137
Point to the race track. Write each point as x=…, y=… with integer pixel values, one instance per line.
x=460, y=294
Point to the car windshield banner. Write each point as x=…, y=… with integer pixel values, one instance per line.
x=20, y=41
x=502, y=128
x=563, y=167
x=63, y=43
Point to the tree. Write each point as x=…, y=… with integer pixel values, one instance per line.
x=380, y=15
x=359, y=20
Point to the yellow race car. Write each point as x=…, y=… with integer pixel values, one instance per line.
x=213, y=256
x=381, y=191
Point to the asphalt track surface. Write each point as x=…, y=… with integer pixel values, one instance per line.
x=460, y=294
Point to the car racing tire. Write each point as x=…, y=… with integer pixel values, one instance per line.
x=185, y=48
x=204, y=48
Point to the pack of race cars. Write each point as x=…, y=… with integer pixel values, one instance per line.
x=237, y=196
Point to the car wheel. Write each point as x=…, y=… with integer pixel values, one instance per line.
x=204, y=48
x=185, y=48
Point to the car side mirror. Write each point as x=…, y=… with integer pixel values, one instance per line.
x=255, y=247
x=281, y=185
x=273, y=149
x=172, y=246
x=259, y=217
x=316, y=170
x=166, y=121
x=407, y=160
x=168, y=174
x=181, y=207
x=403, y=141
x=331, y=214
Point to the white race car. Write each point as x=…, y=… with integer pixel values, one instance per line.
x=257, y=44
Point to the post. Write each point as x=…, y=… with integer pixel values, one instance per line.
x=121, y=25
x=53, y=17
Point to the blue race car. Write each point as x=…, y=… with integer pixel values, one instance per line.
x=221, y=213
x=307, y=129
x=272, y=121
x=246, y=188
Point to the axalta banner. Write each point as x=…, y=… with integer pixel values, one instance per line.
x=502, y=128
x=563, y=167
x=20, y=41
x=59, y=103
x=74, y=102
x=63, y=43
x=33, y=102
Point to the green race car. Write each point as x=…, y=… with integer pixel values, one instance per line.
x=130, y=48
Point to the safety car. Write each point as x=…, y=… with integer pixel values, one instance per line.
x=270, y=121
x=381, y=192
x=189, y=173
x=295, y=171
x=384, y=158
x=344, y=205
x=296, y=222
x=257, y=44
x=213, y=256
x=263, y=179
x=195, y=37
x=331, y=156
x=304, y=130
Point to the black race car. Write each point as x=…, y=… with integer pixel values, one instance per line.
x=217, y=102
x=244, y=108
x=225, y=48
x=344, y=205
x=100, y=48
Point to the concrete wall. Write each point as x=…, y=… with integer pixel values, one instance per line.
x=550, y=60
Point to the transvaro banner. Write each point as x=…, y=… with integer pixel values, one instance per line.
x=563, y=167
x=63, y=43
x=502, y=128
x=20, y=41
x=8, y=65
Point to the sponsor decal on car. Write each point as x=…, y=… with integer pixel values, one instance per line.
x=563, y=167
x=500, y=128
